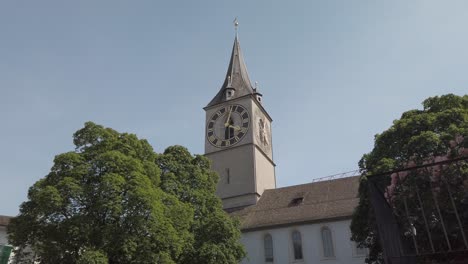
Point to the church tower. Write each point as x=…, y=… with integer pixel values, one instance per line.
x=238, y=138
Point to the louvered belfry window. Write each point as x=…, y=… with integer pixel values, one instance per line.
x=327, y=243
x=297, y=244
x=268, y=244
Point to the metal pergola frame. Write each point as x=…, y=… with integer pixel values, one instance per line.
x=419, y=212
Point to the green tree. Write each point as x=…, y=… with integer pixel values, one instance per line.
x=216, y=235
x=114, y=200
x=439, y=130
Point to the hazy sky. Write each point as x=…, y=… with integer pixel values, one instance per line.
x=332, y=74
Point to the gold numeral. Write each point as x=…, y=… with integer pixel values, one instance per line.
x=211, y=138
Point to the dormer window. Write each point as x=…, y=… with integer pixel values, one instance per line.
x=296, y=201
x=229, y=93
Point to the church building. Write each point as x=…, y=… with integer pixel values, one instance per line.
x=301, y=224
x=306, y=223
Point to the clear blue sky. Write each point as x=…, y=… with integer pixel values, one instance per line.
x=333, y=74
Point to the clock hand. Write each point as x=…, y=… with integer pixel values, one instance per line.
x=227, y=119
x=235, y=127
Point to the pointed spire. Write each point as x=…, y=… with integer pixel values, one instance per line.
x=237, y=77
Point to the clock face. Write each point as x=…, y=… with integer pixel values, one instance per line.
x=228, y=126
x=262, y=132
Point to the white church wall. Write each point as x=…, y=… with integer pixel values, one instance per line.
x=312, y=248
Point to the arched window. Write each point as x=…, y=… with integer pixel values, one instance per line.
x=268, y=244
x=327, y=243
x=297, y=244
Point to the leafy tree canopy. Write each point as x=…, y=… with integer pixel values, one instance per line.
x=114, y=200
x=440, y=129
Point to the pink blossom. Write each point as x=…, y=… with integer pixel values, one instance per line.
x=435, y=173
x=402, y=174
x=463, y=152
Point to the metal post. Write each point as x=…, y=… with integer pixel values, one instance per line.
x=455, y=210
x=413, y=236
x=441, y=219
x=425, y=220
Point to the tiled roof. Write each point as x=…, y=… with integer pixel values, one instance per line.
x=332, y=199
x=4, y=220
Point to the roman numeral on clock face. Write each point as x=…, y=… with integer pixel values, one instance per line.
x=211, y=138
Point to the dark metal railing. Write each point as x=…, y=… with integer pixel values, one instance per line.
x=422, y=212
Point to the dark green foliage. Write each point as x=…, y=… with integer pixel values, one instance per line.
x=92, y=257
x=189, y=178
x=113, y=200
x=439, y=130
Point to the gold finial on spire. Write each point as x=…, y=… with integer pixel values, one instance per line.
x=236, y=24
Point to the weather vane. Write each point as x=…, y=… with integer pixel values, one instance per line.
x=236, y=24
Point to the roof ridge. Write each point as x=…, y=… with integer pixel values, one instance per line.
x=301, y=205
x=314, y=182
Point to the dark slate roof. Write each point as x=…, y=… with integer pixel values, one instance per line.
x=325, y=200
x=4, y=220
x=239, y=76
